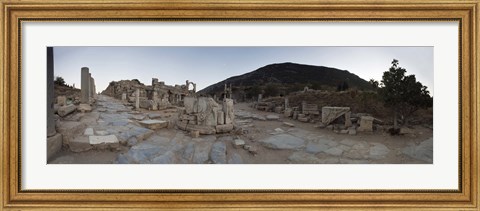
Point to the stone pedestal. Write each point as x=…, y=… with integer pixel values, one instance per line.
x=137, y=99
x=220, y=117
x=50, y=93
x=348, y=121
x=228, y=110
x=84, y=97
x=366, y=124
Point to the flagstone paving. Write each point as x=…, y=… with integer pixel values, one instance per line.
x=116, y=127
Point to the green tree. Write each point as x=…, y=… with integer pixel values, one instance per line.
x=403, y=93
x=253, y=92
x=59, y=81
x=271, y=90
x=374, y=83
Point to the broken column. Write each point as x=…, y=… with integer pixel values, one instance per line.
x=54, y=139
x=286, y=103
x=137, y=99
x=85, y=77
x=90, y=87
x=259, y=97
x=348, y=120
x=50, y=93
x=228, y=110
x=124, y=96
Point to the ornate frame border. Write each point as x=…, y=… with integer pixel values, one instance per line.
x=14, y=12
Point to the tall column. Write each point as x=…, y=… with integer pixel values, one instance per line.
x=85, y=84
x=50, y=93
x=92, y=84
x=137, y=99
x=89, y=86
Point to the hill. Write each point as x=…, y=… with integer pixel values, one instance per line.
x=288, y=77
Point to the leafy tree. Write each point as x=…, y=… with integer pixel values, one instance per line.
x=271, y=90
x=59, y=81
x=253, y=91
x=342, y=86
x=374, y=83
x=403, y=93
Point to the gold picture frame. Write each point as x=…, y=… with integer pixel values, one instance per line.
x=14, y=12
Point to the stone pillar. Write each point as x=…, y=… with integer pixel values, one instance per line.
x=228, y=110
x=137, y=99
x=50, y=93
x=259, y=97
x=348, y=121
x=85, y=83
x=286, y=103
x=90, y=86
x=124, y=96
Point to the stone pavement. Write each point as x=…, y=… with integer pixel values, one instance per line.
x=112, y=125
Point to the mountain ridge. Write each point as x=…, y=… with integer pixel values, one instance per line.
x=289, y=73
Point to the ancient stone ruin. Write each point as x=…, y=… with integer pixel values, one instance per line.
x=203, y=115
x=157, y=96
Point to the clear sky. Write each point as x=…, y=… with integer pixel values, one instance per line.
x=208, y=65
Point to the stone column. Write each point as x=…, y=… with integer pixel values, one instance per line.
x=85, y=83
x=50, y=93
x=124, y=96
x=137, y=99
x=90, y=86
x=286, y=103
x=260, y=97
x=348, y=121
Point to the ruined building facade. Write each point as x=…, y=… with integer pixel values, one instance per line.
x=153, y=97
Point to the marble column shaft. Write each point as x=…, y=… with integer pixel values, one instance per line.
x=85, y=80
x=50, y=93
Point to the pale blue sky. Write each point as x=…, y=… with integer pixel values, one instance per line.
x=209, y=65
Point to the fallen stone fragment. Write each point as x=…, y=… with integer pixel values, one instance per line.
x=238, y=143
x=110, y=139
x=224, y=128
x=54, y=145
x=289, y=124
x=65, y=110
x=84, y=108
x=272, y=117
x=195, y=133
x=69, y=129
x=101, y=132
x=80, y=144
x=154, y=124
x=154, y=116
x=88, y=132
x=366, y=124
